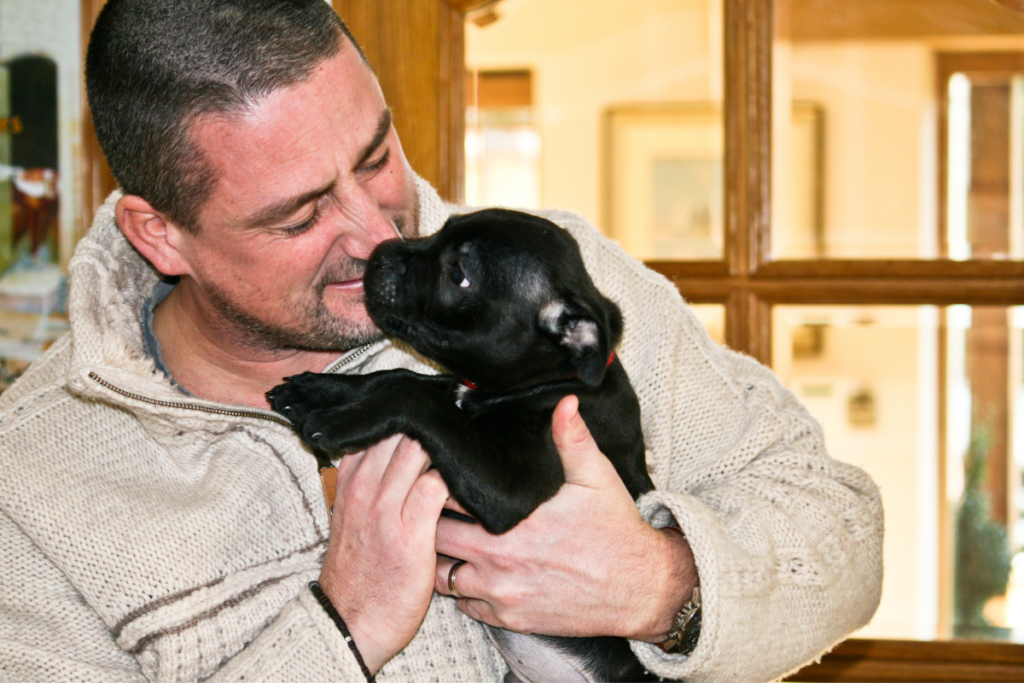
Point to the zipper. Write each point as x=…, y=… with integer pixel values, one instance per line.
x=261, y=415
x=348, y=358
x=191, y=406
x=227, y=412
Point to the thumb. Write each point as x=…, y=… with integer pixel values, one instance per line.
x=582, y=460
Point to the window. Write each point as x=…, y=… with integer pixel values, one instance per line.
x=502, y=142
x=918, y=207
x=862, y=233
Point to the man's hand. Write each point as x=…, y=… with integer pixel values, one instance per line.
x=379, y=569
x=583, y=564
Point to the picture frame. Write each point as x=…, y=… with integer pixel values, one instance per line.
x=663, y=179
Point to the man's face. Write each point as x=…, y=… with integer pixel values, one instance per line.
x=309, y=181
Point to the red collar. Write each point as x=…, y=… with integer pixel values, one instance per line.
x=473, y=387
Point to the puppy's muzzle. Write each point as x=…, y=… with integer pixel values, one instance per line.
x=386, y=271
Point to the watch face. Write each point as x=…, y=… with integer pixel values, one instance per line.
x=682, y=639
x=691, y=634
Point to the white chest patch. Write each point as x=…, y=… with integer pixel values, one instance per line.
x=460, y=394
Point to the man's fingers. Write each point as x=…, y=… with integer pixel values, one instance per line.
x=581, y=458
x=480, y=611
x=425, y=500
x=457, y=538
x=465, y=583
x=463, y=578
x=453, y=504
x=407, y=463
x=348, y=464
x=375, y=462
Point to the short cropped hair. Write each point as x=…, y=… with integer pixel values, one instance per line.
x=154, y=66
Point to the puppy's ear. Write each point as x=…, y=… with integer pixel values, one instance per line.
x=588, y=329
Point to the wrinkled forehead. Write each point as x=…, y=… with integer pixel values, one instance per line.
x=293, y=141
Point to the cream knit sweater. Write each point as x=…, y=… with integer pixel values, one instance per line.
x=145, y=535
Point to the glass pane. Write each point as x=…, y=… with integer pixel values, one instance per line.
x=868, y=130
x=40, y=101
x=502, y=141
x=984, y=180
x=984, y=457
x=624, y=114
x=925, y=399
x=712, y=317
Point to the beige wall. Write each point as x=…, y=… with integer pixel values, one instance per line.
x=880, y=349
x=878, y=99
x=586, y=56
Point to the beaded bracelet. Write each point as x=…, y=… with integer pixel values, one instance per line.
x=325, y=602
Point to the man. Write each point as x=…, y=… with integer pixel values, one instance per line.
x=160, y=523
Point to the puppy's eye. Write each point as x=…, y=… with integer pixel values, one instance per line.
x=458, y=277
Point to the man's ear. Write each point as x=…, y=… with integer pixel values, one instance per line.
x=153, y=234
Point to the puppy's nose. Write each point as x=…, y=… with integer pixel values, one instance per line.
x=389, y=256
x=386, y=271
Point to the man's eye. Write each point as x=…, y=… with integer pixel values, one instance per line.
x=458, y=277
x=379, y=164
x=296, y=230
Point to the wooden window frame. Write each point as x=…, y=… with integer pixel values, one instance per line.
x=749, y=283
x=95, y=181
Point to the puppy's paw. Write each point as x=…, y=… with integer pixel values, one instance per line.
x=293, y=399
x=337, y=430
x=301, y=394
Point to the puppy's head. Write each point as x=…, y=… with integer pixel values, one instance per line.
x=500, y=298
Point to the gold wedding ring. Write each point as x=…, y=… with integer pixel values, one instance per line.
x=451, y=578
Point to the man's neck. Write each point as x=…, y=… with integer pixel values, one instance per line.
x=205, y=361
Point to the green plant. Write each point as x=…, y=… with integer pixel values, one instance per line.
x=982, y=551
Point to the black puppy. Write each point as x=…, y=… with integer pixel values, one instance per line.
x=503, y=301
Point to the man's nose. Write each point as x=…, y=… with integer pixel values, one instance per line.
x=367, y=226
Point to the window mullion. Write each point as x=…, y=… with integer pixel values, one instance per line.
x=748, y=48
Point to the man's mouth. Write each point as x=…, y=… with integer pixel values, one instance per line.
x=348, y=285
x=344, y=277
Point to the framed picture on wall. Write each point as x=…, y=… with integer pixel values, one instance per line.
x=663, y=177
x=664, y=180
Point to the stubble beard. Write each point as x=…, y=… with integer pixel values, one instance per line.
x=316, y=327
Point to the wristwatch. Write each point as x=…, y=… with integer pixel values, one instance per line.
x=682, y=637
